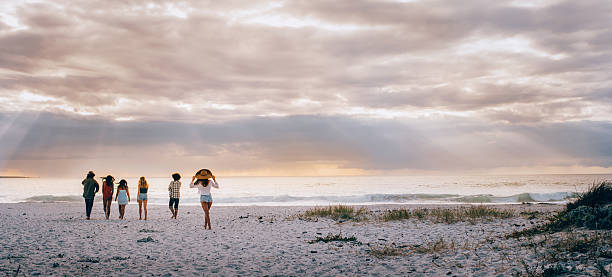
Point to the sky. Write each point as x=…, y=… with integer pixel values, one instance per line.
x=307, y=88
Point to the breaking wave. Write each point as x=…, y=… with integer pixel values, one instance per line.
x=402, y=198
x=284, y=200
x=54, y=199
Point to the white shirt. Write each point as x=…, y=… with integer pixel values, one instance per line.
x=204, y=190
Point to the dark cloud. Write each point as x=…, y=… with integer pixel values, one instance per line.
x=305, y=81
x=139, y=49
x=426, y=144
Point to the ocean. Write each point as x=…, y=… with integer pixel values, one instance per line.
x=307, y=191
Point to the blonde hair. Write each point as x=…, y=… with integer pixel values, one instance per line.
x=142, y=183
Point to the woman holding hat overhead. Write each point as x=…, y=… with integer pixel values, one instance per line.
x=203, y=182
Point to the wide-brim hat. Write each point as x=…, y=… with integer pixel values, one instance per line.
x=203, y=174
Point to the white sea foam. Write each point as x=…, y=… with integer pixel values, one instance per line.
x=290, y=191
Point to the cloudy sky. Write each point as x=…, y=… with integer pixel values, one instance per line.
x=305, y=87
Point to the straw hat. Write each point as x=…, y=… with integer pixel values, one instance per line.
x=203, y=174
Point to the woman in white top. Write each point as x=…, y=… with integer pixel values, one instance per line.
x=203, y=185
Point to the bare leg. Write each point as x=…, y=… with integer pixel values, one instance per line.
x=122, y=211
x=107, y=206
x=145, y=208
x=104, y=206
x=209, y=204
x=119, y=210
x=205, y=207
x=172, y=210
x=139, y=209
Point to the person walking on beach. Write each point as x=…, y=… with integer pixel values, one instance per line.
x=174, y=189
x=123, y=193
x=203, y=183
x=90, y=188
x=108, y=188
x=143, y=188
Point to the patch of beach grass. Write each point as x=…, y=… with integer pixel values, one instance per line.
x=599, y=194
x=433, y=246
x=448, y=216
x=389, y=250
x=331, y=237
x=338, y=213
x=532, y=214
x=570, y=253
x=591, y=209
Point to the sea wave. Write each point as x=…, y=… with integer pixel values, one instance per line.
x=404, y=198
x=348, y=199
x=54, y=198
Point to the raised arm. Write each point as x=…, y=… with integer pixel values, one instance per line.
x=214, y=184
x=192, y=185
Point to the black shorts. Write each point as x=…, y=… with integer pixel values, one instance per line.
x=174, y=201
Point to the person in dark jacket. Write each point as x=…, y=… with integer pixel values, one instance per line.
x=90, y=188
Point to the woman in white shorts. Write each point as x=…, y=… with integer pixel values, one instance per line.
x=204, y=183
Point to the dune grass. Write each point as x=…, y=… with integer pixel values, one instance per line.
x=449, y=216
x=599, y=194
x=331, y=237
x=386, y=251
x=591, y=209
x=337, y=212
x=433, y=246
x=554, y=251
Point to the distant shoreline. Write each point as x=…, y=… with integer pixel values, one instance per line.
x=14, y=177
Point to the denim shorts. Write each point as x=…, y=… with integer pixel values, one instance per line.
x=142, y=196
x=205, y=198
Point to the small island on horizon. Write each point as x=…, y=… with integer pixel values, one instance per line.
x=13, y=177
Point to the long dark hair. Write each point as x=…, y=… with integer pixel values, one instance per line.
x=122, y=184
x=109, y=180
x=204, y=182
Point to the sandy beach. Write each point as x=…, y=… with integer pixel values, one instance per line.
x=54, y=239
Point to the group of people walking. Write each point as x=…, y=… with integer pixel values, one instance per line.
x=203, y=180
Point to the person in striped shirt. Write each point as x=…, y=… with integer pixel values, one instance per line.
x=174, y=190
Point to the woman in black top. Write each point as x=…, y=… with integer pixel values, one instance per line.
x=143, y=188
